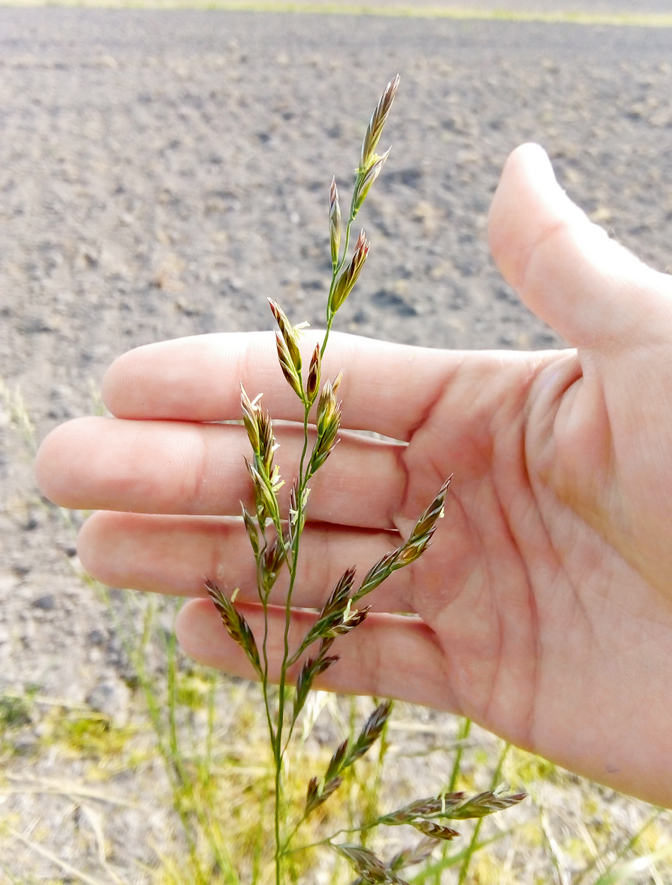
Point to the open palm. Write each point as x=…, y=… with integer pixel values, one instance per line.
x=543, y=609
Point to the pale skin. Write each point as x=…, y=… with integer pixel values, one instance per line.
x=544, y=606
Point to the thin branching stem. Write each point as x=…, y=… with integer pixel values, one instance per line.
x=292, y=563
x=263, y=598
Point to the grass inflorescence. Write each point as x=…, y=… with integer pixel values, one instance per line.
x=275, y=541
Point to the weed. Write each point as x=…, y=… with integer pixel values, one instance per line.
x=15, y=711
x=275, y=539
x=92, y=736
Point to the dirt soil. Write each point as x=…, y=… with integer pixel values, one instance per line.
x=161, y=173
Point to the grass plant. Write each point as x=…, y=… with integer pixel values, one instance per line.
x=275, y=541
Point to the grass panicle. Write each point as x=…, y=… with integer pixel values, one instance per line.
x=275, y=540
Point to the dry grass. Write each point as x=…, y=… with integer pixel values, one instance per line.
x=212, y=789
x=480, y=10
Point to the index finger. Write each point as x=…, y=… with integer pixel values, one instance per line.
x=388, y=388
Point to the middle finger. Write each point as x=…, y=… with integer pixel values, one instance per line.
x=172, y=554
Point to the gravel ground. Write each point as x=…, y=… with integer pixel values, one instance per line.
x=161, y=173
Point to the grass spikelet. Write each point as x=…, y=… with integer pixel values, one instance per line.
x=235, y=624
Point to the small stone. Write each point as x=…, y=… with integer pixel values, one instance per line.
x=96, y=637
x=112, y=699
x=47, y=603
x=25, y=744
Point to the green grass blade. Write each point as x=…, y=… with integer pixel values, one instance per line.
x=463, y=734
x=635, y=867
x=464, y=870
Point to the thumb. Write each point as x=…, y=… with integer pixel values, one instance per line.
x=568, y=272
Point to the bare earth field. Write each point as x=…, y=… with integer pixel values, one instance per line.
x=161, y=173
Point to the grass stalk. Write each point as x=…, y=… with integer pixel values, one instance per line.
x=466, y=863
x=462, y=735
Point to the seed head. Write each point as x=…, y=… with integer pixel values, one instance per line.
x=352, y=618
x=250, y=419
x=251, y=529
x=236, y=625
x=271, y=562
x=365, y=179
x=267, y=443
x=309, y=672
x=328, y=422
x=313, y=382
x=288, y=365
x=378, y=573
x=337, y=760
x=434, y=512
x=435, y=831
x=259, y=430
x=375, y=128
x=483, y=804
x=328, y=410
x=319, y=792
x=265, y=488
x=373, y=728
x=410, y=550
x=297, y=510
x=408, y=857
x=334, y=613
x=288, y=332
x=346, y=281
x=369, y=868
x=334, y=223
x=413, y=549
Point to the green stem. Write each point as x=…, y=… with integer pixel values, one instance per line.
x=285, y=848
x=463, y=734
x=345, y=831
x=464, y=869
x=279, y=750
x=273, y=735
x=263, y=598
x=623, y=850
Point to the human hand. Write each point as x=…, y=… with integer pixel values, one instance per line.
x=544, y=605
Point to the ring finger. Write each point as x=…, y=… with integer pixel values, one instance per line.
x=172, y=554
